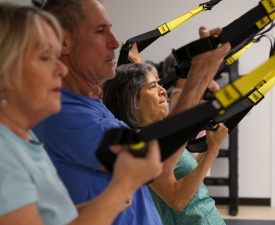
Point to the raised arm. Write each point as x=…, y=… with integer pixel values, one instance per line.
x=202, y=72
x=177, y=194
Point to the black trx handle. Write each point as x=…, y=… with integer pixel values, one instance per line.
x=182, y=70
x=172, y=133
x=145, y=39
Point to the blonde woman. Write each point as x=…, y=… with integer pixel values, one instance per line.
x=30, y=88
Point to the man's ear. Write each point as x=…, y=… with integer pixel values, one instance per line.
x=68, y=42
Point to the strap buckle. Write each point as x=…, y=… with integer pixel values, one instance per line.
x=209, y=5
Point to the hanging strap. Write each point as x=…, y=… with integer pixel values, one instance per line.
x=145, y=39
x=174, y=131
x=234, y=115
x=235, y=33
x=182, y=70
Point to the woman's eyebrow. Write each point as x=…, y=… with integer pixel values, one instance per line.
x=153, y=82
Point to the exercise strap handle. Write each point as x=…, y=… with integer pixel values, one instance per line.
x=234, y=115
x=174, y=131
x=182, y=70
x=145, y=39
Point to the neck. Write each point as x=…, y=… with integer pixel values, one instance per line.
x=16, y=123
x=79, y=82
x=80, y=86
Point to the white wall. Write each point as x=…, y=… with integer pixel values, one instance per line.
x=131, y=17
x=21, y=2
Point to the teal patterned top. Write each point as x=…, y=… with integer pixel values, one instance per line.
x=201, y=210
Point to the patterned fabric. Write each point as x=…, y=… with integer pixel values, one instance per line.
x=201, y=210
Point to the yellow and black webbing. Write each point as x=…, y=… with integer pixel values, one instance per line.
x=145, y=39
x=174, y=131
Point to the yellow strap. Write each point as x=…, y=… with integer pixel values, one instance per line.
x=178, y=21
x=238, y=54
x=269, y=84
x=259, y=94
x=244, y=85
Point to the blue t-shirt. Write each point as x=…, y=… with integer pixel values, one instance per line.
x=28, y=176
x=71, y=138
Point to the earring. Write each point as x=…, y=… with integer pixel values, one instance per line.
x=3, y=101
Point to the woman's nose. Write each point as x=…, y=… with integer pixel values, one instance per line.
x=162, y=91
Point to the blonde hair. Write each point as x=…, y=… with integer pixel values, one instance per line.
x=19, y=27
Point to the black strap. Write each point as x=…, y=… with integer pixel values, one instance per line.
x=231, y=118
x=172, y=133
x=187, y=52
x=182, y=69
x=145, y=39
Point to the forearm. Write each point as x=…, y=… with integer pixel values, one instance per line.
x=170, y=163
x=186, y=187
x=193, y=90
x=199, y=157
x=104, y=208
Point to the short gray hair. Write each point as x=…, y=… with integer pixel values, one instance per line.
x=18, y=26
x=69, y=12
x=121, y=95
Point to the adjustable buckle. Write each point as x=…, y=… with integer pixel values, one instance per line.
x=209, y=5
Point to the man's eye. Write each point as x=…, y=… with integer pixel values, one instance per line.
x=99, y=31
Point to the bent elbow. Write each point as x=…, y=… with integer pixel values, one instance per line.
x=178, y=206
x=165, y=173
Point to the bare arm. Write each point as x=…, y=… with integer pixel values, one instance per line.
x=177, y=194
x=199, y=157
